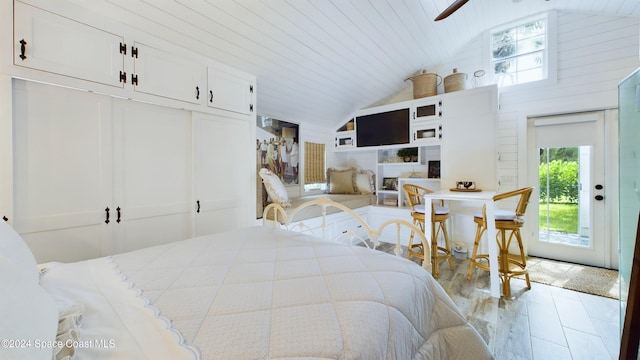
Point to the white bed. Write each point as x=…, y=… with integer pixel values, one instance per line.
x=252, y=293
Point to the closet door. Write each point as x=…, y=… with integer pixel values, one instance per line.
x=62, y=170
x=222, y=172
x=152, y=183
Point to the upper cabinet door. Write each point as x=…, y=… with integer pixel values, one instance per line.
x=157, y=72
x=230, y=89
x=49, y=42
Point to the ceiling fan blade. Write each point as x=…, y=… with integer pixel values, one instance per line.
x=451, y=9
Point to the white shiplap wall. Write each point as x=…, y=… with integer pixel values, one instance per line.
x=593, y=54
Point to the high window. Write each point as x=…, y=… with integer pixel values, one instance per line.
x=519, y=53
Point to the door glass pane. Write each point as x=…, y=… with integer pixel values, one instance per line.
x=564, y=183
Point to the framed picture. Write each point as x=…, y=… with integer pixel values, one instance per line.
x=434, y=169
x=390, y=184
x=277, y=148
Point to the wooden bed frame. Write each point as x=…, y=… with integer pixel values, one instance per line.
x=275, y=215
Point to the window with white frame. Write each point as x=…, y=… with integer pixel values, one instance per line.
x=519, y=52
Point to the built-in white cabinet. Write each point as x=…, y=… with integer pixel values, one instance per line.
x=469, y=149
x=419, y=122
x=427, y=109
x=151, y=203
x=157, y=155
x=63, y=160
x=379, y=214
x=157, y=72
x=461, y=125
x=345, y=140
x=220, y=180
x=96, y=175
x=427, y=132
x=56, y=44
x=230, y=89
x=393, y=171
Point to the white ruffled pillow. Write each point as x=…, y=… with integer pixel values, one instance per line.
x=275, y=188
x=365, y=182
x=29, y=313
x=14, y=248
x=68, y=332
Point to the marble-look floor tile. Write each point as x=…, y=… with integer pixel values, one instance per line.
x=544, y=323
x=573, y=315
x=584, y=346
x=512, y=336
x=545, y=350
x=487, y=331
x=601, y=308
x=557, y=292
x=610, y=335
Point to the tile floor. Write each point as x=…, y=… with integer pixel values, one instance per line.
x=545, y=322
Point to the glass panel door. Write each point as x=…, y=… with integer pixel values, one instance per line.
x=564, y=197
x=629, y=168
x=567, y=157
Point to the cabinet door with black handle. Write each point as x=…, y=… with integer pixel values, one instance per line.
x=230, y=89
x=169, y=75
x=49, y=42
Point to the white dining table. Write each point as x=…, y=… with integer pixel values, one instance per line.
x=486, y=198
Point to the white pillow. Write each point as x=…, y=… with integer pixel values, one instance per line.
x=16, y=250
x=276, y=190
x=365, y=182
x=29, y=314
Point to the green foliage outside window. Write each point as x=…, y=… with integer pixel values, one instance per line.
x=562, y=176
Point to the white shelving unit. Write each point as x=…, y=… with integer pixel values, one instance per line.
x=392, y=172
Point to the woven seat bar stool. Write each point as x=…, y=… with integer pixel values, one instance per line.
x=440, y=215
x=508, y=225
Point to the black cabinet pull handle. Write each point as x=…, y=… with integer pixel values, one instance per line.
x=599, y=197
x=107, y=220
x=197, y=93
x=5, y=218
x=118, y=210
x=198, y=203
x=210, y=96
x=23, y=49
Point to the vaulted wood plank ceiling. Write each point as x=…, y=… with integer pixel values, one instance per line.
x=318, y=61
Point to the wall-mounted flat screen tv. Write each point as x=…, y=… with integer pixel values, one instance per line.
x=387, y=128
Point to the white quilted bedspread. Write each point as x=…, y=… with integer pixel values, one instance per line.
x=265, y=293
